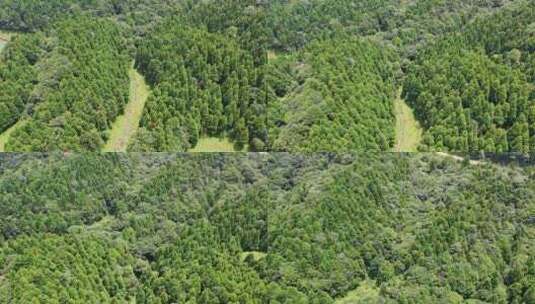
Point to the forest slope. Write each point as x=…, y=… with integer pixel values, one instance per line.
x=74, y=87
x=337, y=95
x=466, y=67
x=164, y=228
x=204, y=85
x=473, y=90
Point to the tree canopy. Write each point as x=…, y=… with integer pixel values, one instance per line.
x=264, y=228
x=314, y=75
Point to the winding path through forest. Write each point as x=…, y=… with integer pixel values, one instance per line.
x=125, y=126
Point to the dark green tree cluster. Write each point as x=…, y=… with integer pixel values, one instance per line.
x=293, y=24
x=203, y=84
x=201, y=268
x=28, y=15
x=241, y=19
x=85, y=268
x=473, y=91
x=277, y=228
x=467, y=102
x=35, y=15
x=408, y=25
x=84, y=191
x=415, y=24
x=508, y=36
x=83, y=87
x=335, y=96
x=18, y=75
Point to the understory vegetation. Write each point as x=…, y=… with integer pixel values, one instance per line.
x=261, y=228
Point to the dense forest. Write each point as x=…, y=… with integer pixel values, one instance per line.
x=18, y=75
x=202, y=85
x=74, y=86
x=346, y=79
x=334, y=96
x=457, y=57
x=474, y=90
x=281, y=75
x=265, y=228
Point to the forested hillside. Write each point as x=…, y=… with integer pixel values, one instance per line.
x=406, y=24
x=82, y=85
x=17, y=77
x=256, y=228
x=315, y=75
x=474, y=90
x=35, y=15
x=334, y=96
x=456, y=119
x=203, y=84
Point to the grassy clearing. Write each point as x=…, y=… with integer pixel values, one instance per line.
x=213, y=144
x=271, y=55
x=4, y=137
x=408, y=130
x=257, y=255
x=367, y=292
x=4, y=38
x=460, y=159
x=125, y=126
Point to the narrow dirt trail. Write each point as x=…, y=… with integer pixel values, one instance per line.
x=408, y=130
x=125, y=126
x=460, y=158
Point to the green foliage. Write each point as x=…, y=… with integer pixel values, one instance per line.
x=35, y=15
x=467, y=102
x=473, y=90
x=203, y=84
x=17, y=77
x=336, y=96
x=293, y=24
x=170, y=228
x=83, y=87
x=330, y=89
x=408, y=25
x=84, y=190
x=66, y=269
